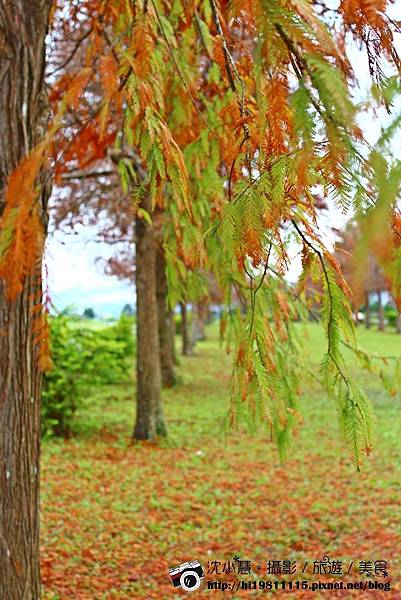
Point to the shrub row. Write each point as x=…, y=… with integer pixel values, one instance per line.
x=82, y=359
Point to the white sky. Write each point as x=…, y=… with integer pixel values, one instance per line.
x=76, y=278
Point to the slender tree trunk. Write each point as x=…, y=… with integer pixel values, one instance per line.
x=398, y=323
x=203, y=312
x=172, y=336
x=165, y=318
x=187, y=347
x=200, y=310
x=380, y=310
x=23, y=111
x=149, y=415
x=196, y=326
x=367, y=311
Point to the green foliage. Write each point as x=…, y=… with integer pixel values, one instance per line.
x=354, y=408
x=391, y=315
x=82, y=359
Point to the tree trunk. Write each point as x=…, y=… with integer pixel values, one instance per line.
x=187, y=347
x=20, y=385
x=149, y=415
x=196, y=326
x=172, y=337
x=166, y=323
x=367, y=311
x=202, y=313
x=23, y=111
x=398, y=323
x=380, y=311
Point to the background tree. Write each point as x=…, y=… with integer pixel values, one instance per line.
x=166, y=322
x=89, y=313
x=185, y=327
x=128, y=311
x=95, y=194
x=364, y=281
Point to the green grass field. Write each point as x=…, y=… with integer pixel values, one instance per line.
x=116, y=515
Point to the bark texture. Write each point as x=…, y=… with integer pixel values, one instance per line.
x=166, y=323
x=149, y=414
x=23, y=112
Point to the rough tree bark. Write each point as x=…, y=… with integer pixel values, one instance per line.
x=166, y=322
x=23, y=112
x=149, y=414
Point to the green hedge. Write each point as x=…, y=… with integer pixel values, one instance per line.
x=82, y=359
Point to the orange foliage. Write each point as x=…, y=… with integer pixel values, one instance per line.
x=88, y=146
x=21, y=224
x=142, y=47
x=278, y=117
x=109, y=76
x=364, y=12
x=76, y=86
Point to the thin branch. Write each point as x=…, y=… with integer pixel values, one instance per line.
x=232, y=169
x=254, y=292
x=383, y=358
x=264, y=271
x=73, y=53
x=111, y=46
x=68, y=176
x=227, y=56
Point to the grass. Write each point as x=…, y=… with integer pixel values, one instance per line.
x=116, y=515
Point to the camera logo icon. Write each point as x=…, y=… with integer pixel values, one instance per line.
x=188, y=575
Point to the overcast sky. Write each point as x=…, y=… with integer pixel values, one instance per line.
x=76, y=277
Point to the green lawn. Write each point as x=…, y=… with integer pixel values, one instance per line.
x=115, y=516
